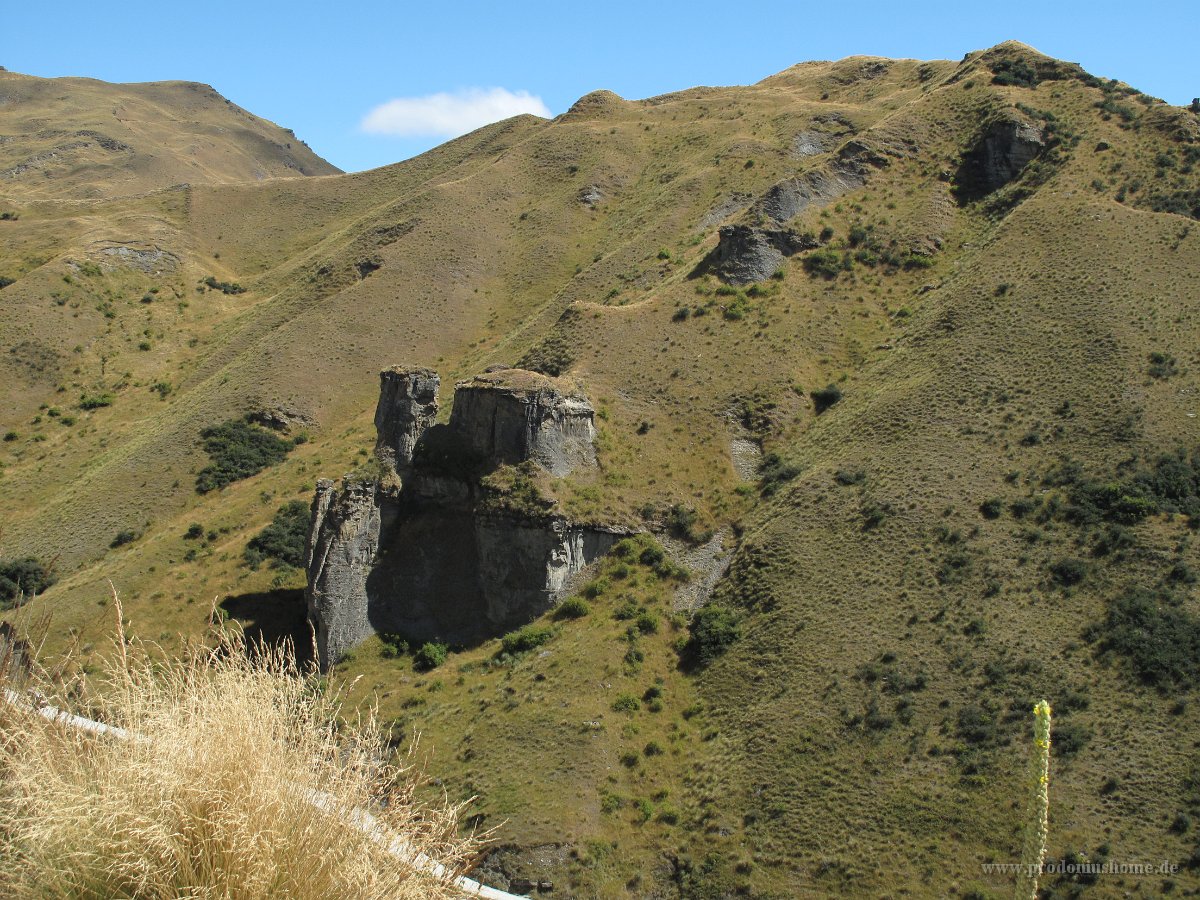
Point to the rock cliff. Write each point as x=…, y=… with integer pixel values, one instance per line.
x=1002, y=151
x=513, y=415
x=407, y=406
x=438, y=558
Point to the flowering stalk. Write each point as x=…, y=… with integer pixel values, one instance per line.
x=1033, y=850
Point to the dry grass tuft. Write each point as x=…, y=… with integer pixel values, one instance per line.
x=212, y=793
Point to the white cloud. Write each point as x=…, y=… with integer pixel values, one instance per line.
x=449, y=115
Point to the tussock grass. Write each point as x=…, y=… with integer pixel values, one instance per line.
x=212, y=792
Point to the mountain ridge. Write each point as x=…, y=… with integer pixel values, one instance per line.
x=984, y=303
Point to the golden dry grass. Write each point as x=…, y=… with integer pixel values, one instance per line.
x=238, y=780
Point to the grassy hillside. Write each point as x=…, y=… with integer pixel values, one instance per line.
x=983, y=518
x=81, y=138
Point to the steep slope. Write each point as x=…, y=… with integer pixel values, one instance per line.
x=989, y=260
x=82, y=138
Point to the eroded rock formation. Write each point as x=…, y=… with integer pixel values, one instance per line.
x=407, y=406
x=441, y=557
x=1003, y=150
x=514, y=415
x=746, y=254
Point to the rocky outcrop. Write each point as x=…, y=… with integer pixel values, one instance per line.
x=746, y=254
x=407, y=407
x=1000, y=154
x=438, y=558
x=342, y=545
x=514, y=415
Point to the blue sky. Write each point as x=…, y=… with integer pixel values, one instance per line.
x=334, y=71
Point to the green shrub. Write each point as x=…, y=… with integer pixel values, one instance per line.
x=595, y=588
x=713, y=630
x=826, y=263
x=95, y=401
x=610, y=802
x=1069, y=571
x=874, y=514
x=825, y=397
x=572, y=608
x=626, y=703
x=647, y=623
x=1161, y=641
x=124, y=537
x=225, y=287
x=238, y=449
x=429, y=656
x=991, y=508
x=775, y=471
x=22, y=578
x=194, y=533
x=1014, y=72
x=285, y=540
x=528, y=638
x=10, y=436
x=1162, y=365
x=682, y=522
x=1067, y=740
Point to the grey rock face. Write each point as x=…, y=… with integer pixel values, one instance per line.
x=746, y=254
x=788, y=198
x=430, y=560
x=407, y=406
x=514, y=415
x=343, y=542
x=1002, y=152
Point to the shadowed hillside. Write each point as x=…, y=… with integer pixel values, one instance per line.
x=916, y=340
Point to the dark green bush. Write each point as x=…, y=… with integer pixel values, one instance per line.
x=1015, y=72
x=394, y=645
x=429, y=656
x=977, y=725
x=238, y=449
x=1161, y=641
x=1067, y=740
x=1069, y=571
x=225, y=287
x=22, y=578
x=775, y=471
x=194, y=533
x=572, y=608
x=825, y=397
x=626, y=703
x=826, y=263
x=284, y=540
x=95, y=401
x=683, y=522
x=1162, y=365
x=124, y=537
x=991, y=508
x=713, y=629
x=528, y=638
